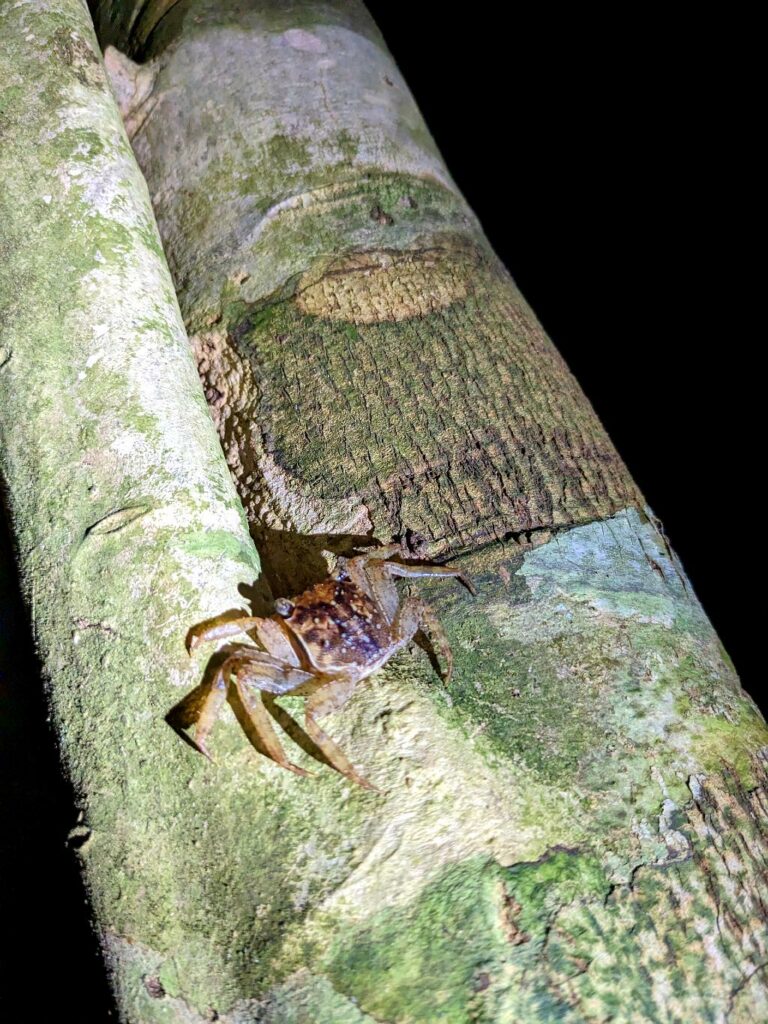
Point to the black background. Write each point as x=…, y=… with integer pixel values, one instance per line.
x=611, y=165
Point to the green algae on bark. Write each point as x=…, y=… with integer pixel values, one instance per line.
x=126, y=523
x=576, y=829
x=647, y=851
x=552, y=939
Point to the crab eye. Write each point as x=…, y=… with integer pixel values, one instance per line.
x=283, y=607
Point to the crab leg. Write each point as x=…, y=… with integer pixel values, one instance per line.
x=384, y=554
x=412, y=572
x=209, y=711
x=251, y=668
x=415, y=614
x=320, y=703
x=257, y=724
x=224, y=625
x=381, y=554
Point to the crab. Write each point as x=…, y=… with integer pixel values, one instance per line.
x=318, y=645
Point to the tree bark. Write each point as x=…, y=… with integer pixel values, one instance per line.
x=576, y=829
x=123, y=511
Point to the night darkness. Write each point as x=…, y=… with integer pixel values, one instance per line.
x=611, y=168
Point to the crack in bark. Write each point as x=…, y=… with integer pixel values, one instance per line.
x=116, y=520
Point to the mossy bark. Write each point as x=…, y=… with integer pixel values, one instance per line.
x=124, y=514
x=576, y=830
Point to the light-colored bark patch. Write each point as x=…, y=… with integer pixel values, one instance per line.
x=682, y=938
x=369, y=287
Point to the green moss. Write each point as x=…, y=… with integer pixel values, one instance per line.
x=347, y=144
x=549, y=940
x=333, y=355
x=579, y=947
x=732, y=741
x=424, y=963
x=286, y=152
x=308, y=999
x=453, y=388
x=484, y=944
x=565, y=677
x=560, y=878
x=527, y=705
x=218, y=542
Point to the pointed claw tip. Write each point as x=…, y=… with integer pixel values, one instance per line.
x=469, y=585
x=201, y=748
x=363, y=783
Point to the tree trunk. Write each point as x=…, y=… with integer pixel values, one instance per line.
x=576, y=828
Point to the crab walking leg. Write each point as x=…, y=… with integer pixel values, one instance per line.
x=416, y=614
x=372, y=578
x=381, y=554
x=311, y=738
x=413, y=572
x=385, y=554
x=320, y=703
x=291, y=727
x=260, y=731
x=273, y=639
x=266, y=673
x=224, y=625
x=279, y=675
x=210, y=709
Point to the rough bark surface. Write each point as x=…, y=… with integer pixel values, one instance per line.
x=370, y=363
x=124, y=515
x=576, y=829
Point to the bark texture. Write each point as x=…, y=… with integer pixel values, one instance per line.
x=577, y=829
x=370, y=363
x=123, y=511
